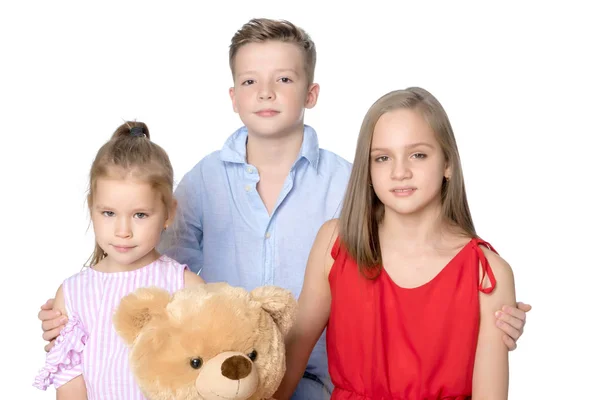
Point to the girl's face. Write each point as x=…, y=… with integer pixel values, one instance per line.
x=407, y=163
x=128, y=217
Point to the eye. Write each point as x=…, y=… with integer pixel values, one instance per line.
x=381, y=158
x=140, y=215
x=196, y=363
x=252, y=355
x=285, y=80
x=419, y=155
x=248, y=82
x=108, y=213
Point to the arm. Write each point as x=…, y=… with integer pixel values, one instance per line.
x=75, y=388
x=182, y=241
x=191, y=279
x=314, y=304
x=490, y=374
x=72, y=390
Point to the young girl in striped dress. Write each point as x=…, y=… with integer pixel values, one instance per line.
x=131, y=202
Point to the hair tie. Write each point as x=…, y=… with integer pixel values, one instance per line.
x=137, y=131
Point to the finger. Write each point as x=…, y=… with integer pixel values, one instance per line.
x=511, y=344
x=53, y=323
x=46, y=315
x=524, y=307
x=48, y=304
x=509, y=319
x=509, y=330
x=51, y=334
x=515, y=312
x=49, y=346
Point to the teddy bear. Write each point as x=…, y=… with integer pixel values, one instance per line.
x=207, y=342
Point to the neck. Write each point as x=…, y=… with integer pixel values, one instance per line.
x=422, y=229
x=109, y=265
x=274, y=152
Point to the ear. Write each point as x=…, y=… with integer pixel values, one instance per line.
x=137, y=309
x=312, y=96
x=448, y=173
x=448, y=169
x=279, y=303
x=232, y=96
x=171, y=213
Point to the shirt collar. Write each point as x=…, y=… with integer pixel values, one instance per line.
x=234, y=149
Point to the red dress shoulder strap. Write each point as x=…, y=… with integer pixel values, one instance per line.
x=487, y=270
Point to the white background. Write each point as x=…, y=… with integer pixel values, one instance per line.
x=519, y=81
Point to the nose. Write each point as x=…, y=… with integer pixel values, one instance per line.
x=266, y=92
x=123, y=227
x=236, y=367
x=401, y=170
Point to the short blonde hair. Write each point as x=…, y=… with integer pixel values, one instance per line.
x=260, y=30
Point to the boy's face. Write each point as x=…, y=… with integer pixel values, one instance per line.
x=271, y=89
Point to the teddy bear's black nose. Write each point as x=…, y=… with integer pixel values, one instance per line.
x=236, y=367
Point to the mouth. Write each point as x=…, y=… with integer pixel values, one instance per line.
x=267, y=113
x=122, y=249
x=404, y=191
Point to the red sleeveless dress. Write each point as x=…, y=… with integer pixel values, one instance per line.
x=389, y=342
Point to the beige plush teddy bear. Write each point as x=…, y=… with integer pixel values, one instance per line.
x=207, y=342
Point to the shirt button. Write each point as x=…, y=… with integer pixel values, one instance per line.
x=268, y=235
x=250, y=170
x=248, y=188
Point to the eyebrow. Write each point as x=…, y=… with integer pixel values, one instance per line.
x=252, y=72
x=135, y=210
x=410, y=146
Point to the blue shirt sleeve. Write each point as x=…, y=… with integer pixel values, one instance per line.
x=182, y=241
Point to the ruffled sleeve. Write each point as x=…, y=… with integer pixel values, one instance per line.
x=63, y=361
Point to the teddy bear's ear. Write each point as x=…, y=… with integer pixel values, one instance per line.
x=137, y=309
x=279, y=303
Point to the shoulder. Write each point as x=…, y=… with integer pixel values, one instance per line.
x=207, y=163
x=167, y=262
x=70, y=290
x=191, y=279
x=493, y=295
x=77, y=280
x=334, y=162
x=326, y=241
x=328, y=232
x=500, y=267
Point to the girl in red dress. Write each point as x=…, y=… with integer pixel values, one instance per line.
x=405, y=287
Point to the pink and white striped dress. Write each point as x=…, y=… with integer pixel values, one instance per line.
x=89, y=344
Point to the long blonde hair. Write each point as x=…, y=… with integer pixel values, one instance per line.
x=362, y=211
x=130, y=152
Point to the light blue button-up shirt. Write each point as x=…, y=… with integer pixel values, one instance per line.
x=225, y=233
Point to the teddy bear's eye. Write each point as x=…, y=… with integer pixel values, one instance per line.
x=252, y=356
x=196, y=363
